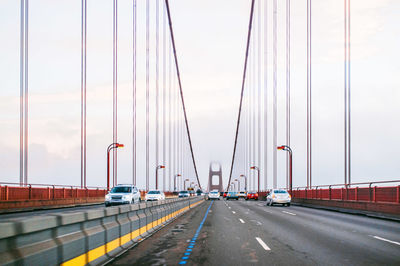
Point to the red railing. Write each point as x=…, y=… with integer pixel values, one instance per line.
x=15, y=192
x=367, y=191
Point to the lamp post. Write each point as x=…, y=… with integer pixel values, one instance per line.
x=238, y=182
x=184, y=184
x=258, y=173
x=288, y=149
x=245, y=182
x=109, y=148
x=158, y=167
x=175, y=181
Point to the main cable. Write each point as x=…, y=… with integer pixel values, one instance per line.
x=180, y=89
x=242, y=90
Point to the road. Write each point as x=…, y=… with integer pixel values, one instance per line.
x=248, y=232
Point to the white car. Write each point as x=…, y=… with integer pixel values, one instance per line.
x=153, y=195
x=213, y=195
x=122, y=194
x=279, y=196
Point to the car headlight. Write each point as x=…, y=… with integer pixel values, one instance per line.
x=126, y=197
x=273, y=196
x=108, y=197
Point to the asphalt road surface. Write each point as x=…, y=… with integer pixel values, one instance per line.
x=250, y=233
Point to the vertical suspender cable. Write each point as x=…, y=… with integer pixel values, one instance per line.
x=134, y=95
x=83, y=94
x=254, y=104
x=309, y=150
x=347, y=140
x=241, y=92
x=275, y=111
x=259, y=142
x=164, y=97
x=287, y=87
x=266, y=95
x=181, y=91
x=157, y=82
x=115, y=93
x=21, y=98
x=26, y=92
x=147, y=91
x=169, y=115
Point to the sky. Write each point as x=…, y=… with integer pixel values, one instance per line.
x=210, y=38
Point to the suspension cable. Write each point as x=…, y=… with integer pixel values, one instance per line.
x=164, y=96
x=180, y=90
x=242, y=90
x=147, y=92
x=134, y=94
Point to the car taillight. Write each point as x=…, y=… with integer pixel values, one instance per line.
x=256, y=195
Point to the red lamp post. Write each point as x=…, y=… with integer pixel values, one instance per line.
x=288, y=149
x=158, y=167
x=245, y=182
x=258, y=172
x=175, y=181
x=109, y=148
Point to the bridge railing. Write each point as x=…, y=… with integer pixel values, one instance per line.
x=15, y=192
x=365, y=191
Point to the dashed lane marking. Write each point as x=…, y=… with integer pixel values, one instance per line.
x=241, y=221
x=259, y=240
x=386, y=240
x=233, y=212
x=289, y=213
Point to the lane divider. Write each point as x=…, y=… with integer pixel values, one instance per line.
x=386, y=240
x=241, y=221
x=289, y=213
x=192, y=242
x=262, y=243
x=96, y=253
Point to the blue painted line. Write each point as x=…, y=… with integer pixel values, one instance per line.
x=193, y=240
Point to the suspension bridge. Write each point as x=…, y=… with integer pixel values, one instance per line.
x=101, y=94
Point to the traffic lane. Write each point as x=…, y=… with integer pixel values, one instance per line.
x=364, y=225
x=235, y=240
x=329, y=242
x=168, y=245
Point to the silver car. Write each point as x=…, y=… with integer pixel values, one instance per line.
x=122, y=194
x=279, y=196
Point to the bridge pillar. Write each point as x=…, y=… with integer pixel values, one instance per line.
x=212, y=174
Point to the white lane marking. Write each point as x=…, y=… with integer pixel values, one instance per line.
x=233, y=212
x=288, y=213
x=229, y=207
x=262, y=244
x=241, y=221
x=387, y=240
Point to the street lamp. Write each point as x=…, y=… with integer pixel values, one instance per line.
x=158, y=167
x=245, y=182
x=184, y=184
x=175, y=176
x=258, y=172
x=237, y=180
x=288, y=149
x=109, y=148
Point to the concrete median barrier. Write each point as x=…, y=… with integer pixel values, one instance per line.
x=84, y=237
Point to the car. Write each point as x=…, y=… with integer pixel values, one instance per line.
x=154, y=195
x=252, y=195
x=122, y=194
x=199, y=192
x=213, y=195
x=242, y=194
x=232, y=195
x=279, y=196
x=183, y=194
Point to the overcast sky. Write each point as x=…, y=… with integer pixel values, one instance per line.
x=210, y=38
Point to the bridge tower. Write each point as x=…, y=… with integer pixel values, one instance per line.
x=212, y=174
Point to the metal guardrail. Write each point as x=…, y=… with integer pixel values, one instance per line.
x=83, y=237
